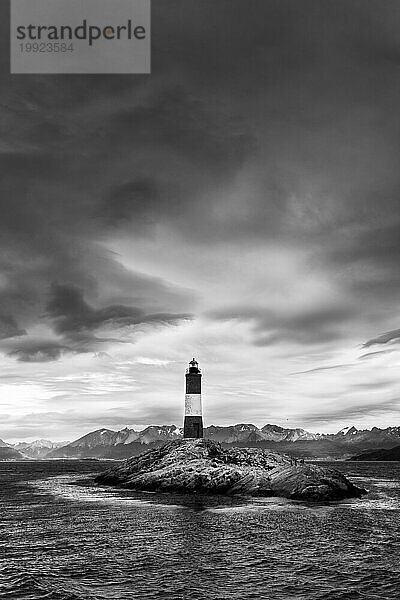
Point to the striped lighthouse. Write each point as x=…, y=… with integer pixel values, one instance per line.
x=193, y=425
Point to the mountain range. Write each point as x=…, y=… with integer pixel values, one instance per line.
x=107, y=443
x=7, y=452
x=38, y=449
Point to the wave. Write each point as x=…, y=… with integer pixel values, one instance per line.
x=26, y=586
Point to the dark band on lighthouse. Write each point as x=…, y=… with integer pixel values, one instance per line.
x=193, y=425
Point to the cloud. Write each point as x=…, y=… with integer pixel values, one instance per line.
x=327, y=368
x=137, y=198
x=377, y=354
x=74, y=324
x=371, y=409
x=72, y=317
x=307, y=326
x=385, y=338
x=60, y=205
x=252, y=178
x=194, y=154
x=9, y=327
x=31, y=349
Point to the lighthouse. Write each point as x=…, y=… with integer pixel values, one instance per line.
x=193, y=425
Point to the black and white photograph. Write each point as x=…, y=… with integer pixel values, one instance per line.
x=199, y=300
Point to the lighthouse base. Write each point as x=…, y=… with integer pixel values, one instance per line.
x=193, y=427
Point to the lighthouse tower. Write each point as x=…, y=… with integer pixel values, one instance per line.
x=193, y=425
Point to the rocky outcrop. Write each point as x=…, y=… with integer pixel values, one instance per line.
x=204, y=467
x=311, y=482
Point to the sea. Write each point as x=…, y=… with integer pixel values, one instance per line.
x=64, y=539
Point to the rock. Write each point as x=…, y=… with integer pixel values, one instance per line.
x=204, y=467
x=311, y=482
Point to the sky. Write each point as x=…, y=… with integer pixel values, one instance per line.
x=239, y=205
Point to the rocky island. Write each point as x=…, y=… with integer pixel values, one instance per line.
x=200, y=466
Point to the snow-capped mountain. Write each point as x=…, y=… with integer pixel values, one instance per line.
x=7, y=452
x=155, y=433
x=246, y=432
x=125, y=436
x=348, y=431
x=100, y=437
x=37, y=448
x=280, y=434
x=107, y=443
x=233, y=433
x=98, y=443
x=91, y=443
x=370, y=438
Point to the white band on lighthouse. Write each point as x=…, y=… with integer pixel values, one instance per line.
x=193, y=405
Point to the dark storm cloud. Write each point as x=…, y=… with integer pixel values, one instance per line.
x=385, y=338
x=61, y=193
x=182, y=153
x=34, y=349
x=299, y=99
x=137, y=197
x=76, y=321
x=172, y=118
x=9, y=327
x=72, y=315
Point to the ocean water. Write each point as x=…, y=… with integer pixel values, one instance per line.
x=60, y=540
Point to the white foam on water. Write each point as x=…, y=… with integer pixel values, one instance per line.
x=365, y=504
x=64, y=487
